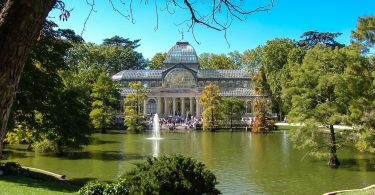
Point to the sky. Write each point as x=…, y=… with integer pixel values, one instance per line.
x=286, y=19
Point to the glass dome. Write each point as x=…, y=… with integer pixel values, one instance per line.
x=179, y=78
x=182, y=52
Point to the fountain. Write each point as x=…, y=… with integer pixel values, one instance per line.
x=155, y=128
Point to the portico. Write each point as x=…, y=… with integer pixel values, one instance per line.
x=172, y=105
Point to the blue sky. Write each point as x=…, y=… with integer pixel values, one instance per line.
x=287, y=19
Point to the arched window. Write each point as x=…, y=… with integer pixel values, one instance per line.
x=151, y=106
x=179, y=78
x=249, y=107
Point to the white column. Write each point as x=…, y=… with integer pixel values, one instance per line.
x=144, y=107
x=165, y=106
x=197, y=111
x=183, y=106
x=159, y=106
x=191, y=105
x=174, y=106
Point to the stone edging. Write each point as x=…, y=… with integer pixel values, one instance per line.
x=55, y=175
x=336, y=192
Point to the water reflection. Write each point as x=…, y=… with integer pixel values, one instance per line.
x=155, y=148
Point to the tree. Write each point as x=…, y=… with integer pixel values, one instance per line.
x=67, y=125
x=204, y=59
x=157, y=62
x=318, y=101
x=40, y=90
x=89, y=60
x=20, y=22
x=275, y=59
x=232, y=109
x=214, y=61
x=105, y=100
x=118, y=58
x=133, y=105
x=365, y=32
x=260, y=102
x=236, y=57
x=252, y=59
x=16, y=43
x=357, y=90
x=360, y=78
x=210, y=101
x=312, y=38
x=123, y=42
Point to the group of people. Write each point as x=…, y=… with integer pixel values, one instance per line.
x=173, y=122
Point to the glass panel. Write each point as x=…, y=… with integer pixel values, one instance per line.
x=179, y=78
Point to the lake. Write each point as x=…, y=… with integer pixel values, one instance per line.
x=244, y=162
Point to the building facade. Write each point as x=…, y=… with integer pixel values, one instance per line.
x=176, y=89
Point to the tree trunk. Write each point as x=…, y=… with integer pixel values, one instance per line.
x=20, y=22
x=333, y=161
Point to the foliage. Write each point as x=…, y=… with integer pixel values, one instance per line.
x=275, y=59
x=23, y=133
x=357, y=89
x=313, y=38
x=133, y=121
x=157, y=62
x=105, y=100
x=365, y=32
x=236, y=57
x=45, y=108
x=232, y=109
x=120, y=41
x=317, y=99
x=214, y=61
x=210, y=101
x=94, y=188
x=173, y=174
x=89, y=60
x=260, y=103
x=68, y=123
x=133, y=105
x=252, y=59
x=46, y=146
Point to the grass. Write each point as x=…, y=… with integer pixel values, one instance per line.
x=11, y=184
x=286, y=127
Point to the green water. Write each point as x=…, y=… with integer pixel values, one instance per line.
x=244, y=163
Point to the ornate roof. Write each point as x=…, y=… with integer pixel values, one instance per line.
x=202, y=74
x=137, y=74
x=182, y=52
x=237, y=92
x=223, y=73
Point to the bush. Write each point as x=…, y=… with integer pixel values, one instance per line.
x=93, y=188
x=46, y=146
x=12, y=168
x=174, y=174
x=119, y=188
